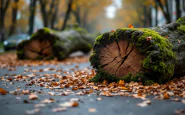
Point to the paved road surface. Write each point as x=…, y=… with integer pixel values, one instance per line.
x=117, y=105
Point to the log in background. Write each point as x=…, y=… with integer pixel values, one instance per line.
x=48, y=44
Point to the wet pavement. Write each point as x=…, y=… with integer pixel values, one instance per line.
x=117, y=105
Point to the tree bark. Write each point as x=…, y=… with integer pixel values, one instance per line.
x=32, y=16
x=156, y=14
x=183, y=4
x=54, y=14
x=44, y=12
x=77, y=15
x=143, y=55
x=14, y=16
x=3, y=8
x=67, y=14
x=165, y=10
x=178, y=10
x=47, y=44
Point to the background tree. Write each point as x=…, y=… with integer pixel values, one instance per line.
x=67, y=14
x=32, y=8
x=164, y=5
x=48, y=10
x=178, y=10
x=3, y=8
x=14, y=16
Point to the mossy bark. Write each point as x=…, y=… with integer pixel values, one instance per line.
x=47, y=44
x=147, y=55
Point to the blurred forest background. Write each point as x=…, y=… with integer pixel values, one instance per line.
x=27, y=16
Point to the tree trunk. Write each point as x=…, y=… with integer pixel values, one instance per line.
x=149, y=16
x=178, y=10
x=77, y=15
x=85, y=18
x=156, y=14
x=145, y=15
x=165, y=10
x=67, y=14
x=44, y=13
x=146, y=55
x=3, y=8
x=54, y=14
x=183, y=4
x=32, y=16
x=47, y=44
x=14, y=16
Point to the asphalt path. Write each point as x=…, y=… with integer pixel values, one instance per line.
x=117, y=105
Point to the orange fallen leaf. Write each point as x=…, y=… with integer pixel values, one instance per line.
x=112, y=30
x=105, y=82
x=75, y=88
x=121, y=82
x=166, y=96
x=75, y=104
x=124, y=88
x=130, y=26
x=166, y=36
x=3, y=92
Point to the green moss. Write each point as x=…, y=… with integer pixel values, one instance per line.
x=149, y=82
x=20, y=54
x=181, y=27
x=181, y=20
x=77, y=28
x=45, y=34
x=100, y=76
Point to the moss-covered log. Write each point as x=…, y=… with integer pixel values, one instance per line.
x=47, y=44
x=144, y=55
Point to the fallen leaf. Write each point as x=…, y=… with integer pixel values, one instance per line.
x=112, y=30
x=39, y=105
x=32, y=111
x=47, y=101
x=180, y=112
x=59, y=109
x=69, y=104
x=25, y=92
x=144, y=103
x=166, y=95
x=92, y=110
x=74, y=99
x=121, y=83
x=130, y=26
x=149, y=38
x=51, y=93
x=3, y=92
x=105, y=82
x=99, y=98
x=183, y=101
x=26, y=101
x=75, y=104
x=179, y=41
x=166, y=36
x=33, y=96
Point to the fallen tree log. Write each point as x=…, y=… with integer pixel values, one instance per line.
x=47, y=44
x=144, y=55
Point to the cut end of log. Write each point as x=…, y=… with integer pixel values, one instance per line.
x=120, y=58
x=38, y=48
x=40, y=45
